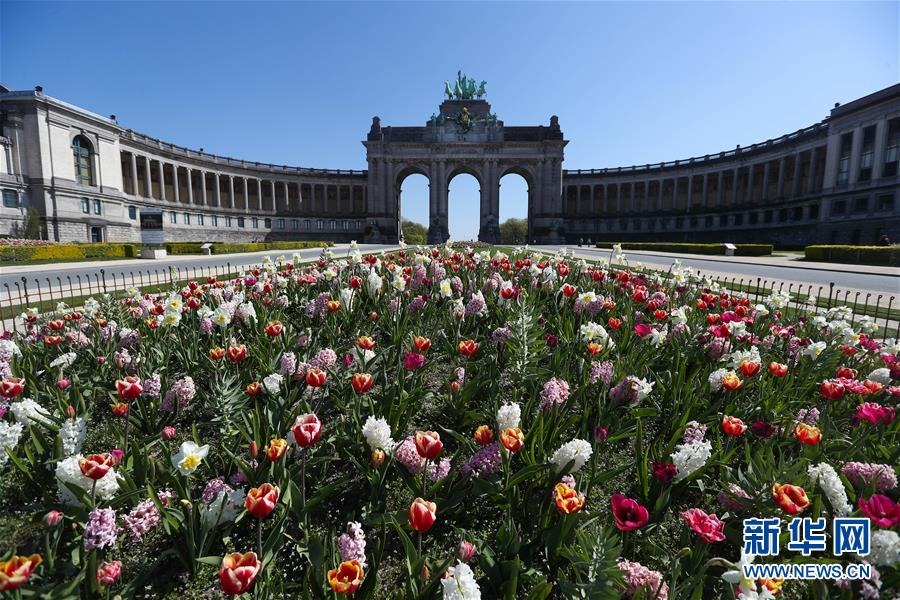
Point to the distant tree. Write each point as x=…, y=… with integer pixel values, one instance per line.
x=513, y=231
x=414, y=233
x=30, y=228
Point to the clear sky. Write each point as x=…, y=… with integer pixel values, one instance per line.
x=298, y=83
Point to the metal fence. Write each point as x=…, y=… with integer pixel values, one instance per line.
x=45, y=293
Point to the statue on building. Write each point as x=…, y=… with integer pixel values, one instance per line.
x=465, y=88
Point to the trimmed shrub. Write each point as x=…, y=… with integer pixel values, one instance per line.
x=184, y=247
x=259, y=246
x=67, y=252
x=712, y=249
x=858, y=255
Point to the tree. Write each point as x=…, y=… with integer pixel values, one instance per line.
x=32, y=225
x=513, y=231
x=414, y=233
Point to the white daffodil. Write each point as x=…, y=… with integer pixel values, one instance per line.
x=189, y=457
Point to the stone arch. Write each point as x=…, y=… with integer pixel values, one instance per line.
x=529, y=176
x=464, y=170
x=404, y=172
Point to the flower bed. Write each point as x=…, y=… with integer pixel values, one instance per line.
x=439, y=423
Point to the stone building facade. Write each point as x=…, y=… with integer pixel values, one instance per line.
x=87, y=178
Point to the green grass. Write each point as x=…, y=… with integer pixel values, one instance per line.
x=21, y=263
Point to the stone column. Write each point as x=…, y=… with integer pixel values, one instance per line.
x=795, y=184
x=720, y=189
x=690, y=192
x=855, y=154
x=704, y=200
x=135, y=190
x=190, y=186
x=444, y=193
x=765, y=182
x=176, y=193
x=881, y=131
x=162, y=180
x=811, y=187
x=779, y=192
x=218, y=190
x=734, y=186
x=748, y=199
x=274, y=201
x=231, y=190
x=203, y=201
x=659, y=199
x=287, y=196
x=147, y=177
x=674, y=198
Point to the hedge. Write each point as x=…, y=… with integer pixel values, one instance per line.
x=65, y=252
x=184, y=248
x=742, y=249
x=231, y=248
x=859, y=255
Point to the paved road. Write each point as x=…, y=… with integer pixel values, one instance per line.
x=882, y=281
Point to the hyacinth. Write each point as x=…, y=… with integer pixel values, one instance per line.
x=182, y=391
x=352, y=544
x=728, y=499
x=213, y=487
x=141, y=519
x=601, y=371
x=152, y=386
x=828, y=480
x=323, y=359
x=288, y=363
x=100, y=531
x=881, y=375
x=555, y=391
x=810, y=416
x=577, y=452
x=69, y=472
x=631, y=390
x=272, y=383
x=407, y=455
x=10, y=433
x=690, y=457
x=694, y=432
x=28, y=412
x=476, y=306
x=863, y=474
x=72, y=433
x=485, y=461
x=460, y=584
x=716, y=378
x=63, y=360
x=378, y=434
x=508, y=416
x=460, y=375
x=638, y=577
x=501, y=334
x=437, y=470
x=224, y=507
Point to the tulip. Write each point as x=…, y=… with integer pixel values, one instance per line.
x=874, y=414
x=377, y=457
x=428, y=444
x=254, y=449
x=733, y=426
x=168, y=433
x=10, y=387
x=483, y=435
x=600, y=434
x=594, y=348
x=749, y=368
x=832, y=390
x=315, y=377
x=454, y=386
x=791, y=498
x=883, y=511
x=253, y=389
x=119, y=409
x=347, y=578
x=763, y=429
x=260, y=501
x=276, y=449
x=307, y=429
x=236, y=353
x=96, y=466
x=422, y=515
x=466, y=551
x=807, y=434
x=614, y=323
x=710, y=528
x=333, y=305
x=468, y=348
x=732, y=382
x=628, y=513
x=512, y=439
x=238, y=572
x=53, y=518
x=129, y=388
x=422, y=344
x=17, y=571
x=373, y=316
x=364, y=342
x=777, y=369
x=846, y=373
x=109, y=573
x=216, y=353
x=63, y=384
x=362, y=382
x=568, y=501
x=569, y=290
x=413, y=361
x=274, y=328
x=663, y=472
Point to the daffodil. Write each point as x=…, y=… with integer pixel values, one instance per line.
x=189, y=457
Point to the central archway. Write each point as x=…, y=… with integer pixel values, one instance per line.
x=413, y=206
x=515, y=207
x=464, y=192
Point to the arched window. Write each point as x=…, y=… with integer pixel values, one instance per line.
x=84, y=169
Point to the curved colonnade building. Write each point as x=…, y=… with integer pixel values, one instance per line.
x=90, y=179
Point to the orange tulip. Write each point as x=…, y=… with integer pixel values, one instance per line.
x=316, y=377
x=364, y=342
x=17, y=571
x=120, y=409
x=377, y=457
x=217, y=353
x=732, y=382
x=733, y=426
x=253, y=389
x=238, y=572
x=483, y=435
x=96, y=466
x=422, y=344
x=333, y=305
x=778, y=369
x=749, y=368
x=237, y=353
x=276, y=449
x=568, y=501
x=362, y=382
x=428, y=444
x=274, y=328
x=513, y=439
x=468, y=348
x=791, y=498
x=422, y=515
x=347, y=578
x=807, y=434
x=260, y=502
x=594, y=348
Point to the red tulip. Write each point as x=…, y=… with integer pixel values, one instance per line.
x=306, y=430
x=362, y=382
x=129, y=388
x=428, y=444
x=807, y=434
x=483, y=435
x=883, y=511
x=733, y=426
x=96, y=466
x=236, y=353
x=413, y=361
x=17, y=571
x=217, y=353
x=628, y=513
x=569, y=290
x=119, y=409
x=422, y=344
x=274, y=328
x=109, y=573
x=316, y=377
x=364, y=342
x=791, y=498
x=749, y=368
x=468, y=348
x=874, y=413
x=778, y=369
x=10, y=387
x=238, y=572
x=833, y=390
x=512, y=439
x=260, y=502
x=710, y=528
x=422, y=515
x=846, y=373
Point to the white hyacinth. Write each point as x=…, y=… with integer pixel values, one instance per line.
x=882, y=376
x=594, y=332
x=72, y=435
x=715, y=379
x=508, y=416
x=460, y=584
x=885, y=548
x=29, y=412
x=827, y=478
x=10, y=433
x=68, y=472
x=374, y=282
x=690, y=457
x=224, y=508
x=578, y=451
x=64, y=360
x=378, y=434
x=272, y=383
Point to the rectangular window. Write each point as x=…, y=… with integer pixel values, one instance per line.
x=187, y=219
x=280, y=223
x=754, y=218
x=861, y=205
x=867, y=159
x=843, y=171
x=723, y=220
x=295, y=224
x=839, y=207
x=782, y=215
x=199, y=219
x=132, y=213
x=241, y=222
x=255, y=223
x=173, y=217
x=306, y=224
x=814, y=211
x=215, y=220
x=892, y=149
x=96, y=207
x=10, y=199
x=85, y=206
x=767, y=216
x=797, y=213
x=320, y=224
x=739, y=219
x=227, y=221
x=708, y=221
x=886, y=202
x=267, y=223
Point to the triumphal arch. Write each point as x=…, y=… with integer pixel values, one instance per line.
x=464, y=136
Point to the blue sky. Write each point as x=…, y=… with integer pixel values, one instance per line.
x=298, y=83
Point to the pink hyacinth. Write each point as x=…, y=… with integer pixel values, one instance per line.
x=639, y=577
x=142, y=518
x=555, y=391
x=100, y=531
x=863, y=474
x=352, y=544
